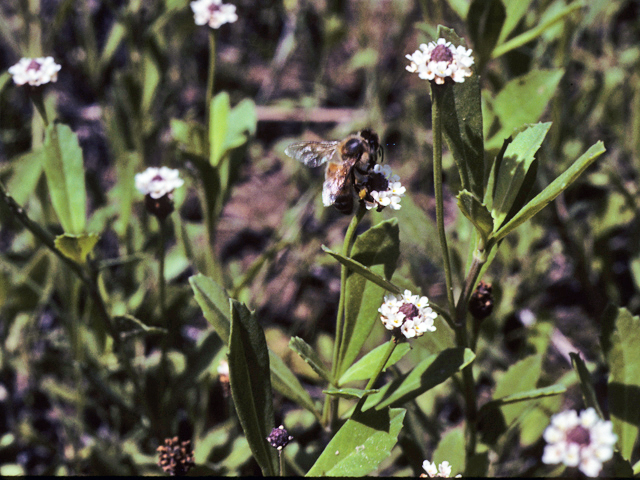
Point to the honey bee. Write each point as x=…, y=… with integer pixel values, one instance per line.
x=349, y=161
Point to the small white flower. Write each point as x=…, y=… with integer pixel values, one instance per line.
x=411, y=313
x=440, y=60
x=35, y=71
x=443, y=470
x=213, y=13
x=158, y=182
x=383, y=189
x=583, y=441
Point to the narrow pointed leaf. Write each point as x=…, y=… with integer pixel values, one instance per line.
x=309, y=355
x=520, y=377
x=586, y=385
x=378, y=249
x=218, y=126
x=64, y=168
x=621, y=337
x=430, y=372
x=533, y=91
x=212, y=298
x=364, y=368
x=514, y=167
x=364, y=271
x=362, y=443
x=476, y=212
x=351, y=393
x=462, y=124
x=554, y=189
x=250, y=384
x=549, y=391
x=76, y=247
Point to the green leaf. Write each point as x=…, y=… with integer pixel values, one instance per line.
x=214, y=302
x=76, y=247
x=620, y=340
x=485, y=20
x=218, y=126
x=477, y=213
x=520, y=377
x=309, y=355
x=539, y=29
x=249, y=376
x=363, y=368
x=363, y=442
x=190, y=137
x=287, y=384
x=586, y=386
x=549, y=391
x=64, y=170
x=532, y=92
x=364, y=271
x=378, y=249
x=212, y=299
x=515, y=10
x=552, y=191
x=514, y=167
x=114, y=39
x=151, y=81
x=242, y=122
x=462, y=124
x=430, y=372
x=349, y=393
x=26, y=172
x=452, y=449
x=139, y=328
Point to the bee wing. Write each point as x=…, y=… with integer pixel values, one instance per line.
x=312, y=154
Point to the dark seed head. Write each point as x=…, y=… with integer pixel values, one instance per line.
x=481, y=301
x=279, y=438
x=410, y=311
x=176, y=458
x=441, y=54
x=579, y=435
x=160, y=207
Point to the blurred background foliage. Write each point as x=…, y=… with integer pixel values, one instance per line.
x=323, y=69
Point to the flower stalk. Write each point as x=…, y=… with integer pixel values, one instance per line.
x=330, y=410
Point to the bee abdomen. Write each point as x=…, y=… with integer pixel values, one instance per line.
x=344, y=203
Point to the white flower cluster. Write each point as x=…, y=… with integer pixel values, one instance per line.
x=391, y=190
x=213, y=12
x=443, y=470
x=439, y=60
x=35, y=71
x=583, y=441
x=158, y=182
x=411, y=313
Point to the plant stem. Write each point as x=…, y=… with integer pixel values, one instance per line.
x=458, y=313
x=210, y=82
x=436, y=101
x=374, y=378
x=331, y=403
x=46, y=238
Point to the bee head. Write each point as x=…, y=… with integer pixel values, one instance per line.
x=374, y=142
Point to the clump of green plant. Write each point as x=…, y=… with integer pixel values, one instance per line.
x=136, y=390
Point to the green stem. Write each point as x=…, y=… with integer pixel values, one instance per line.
x=331, y=403
x=281, y=462
x=436, y=100
x=374, y=378
x=210, y=81
x=457, y=313
x=44, y=236
x=36, y=95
